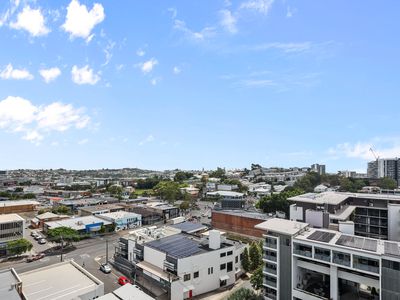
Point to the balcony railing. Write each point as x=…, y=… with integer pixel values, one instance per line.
x=322, y=257
x=269, y=282
x=343, y=262
x=312, y=294
x=368, y=268
x=270, y=296
x=270, y=257
x=270, y=245
x=303, y=252
x=269, y=270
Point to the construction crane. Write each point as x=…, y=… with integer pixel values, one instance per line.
x=373, y=152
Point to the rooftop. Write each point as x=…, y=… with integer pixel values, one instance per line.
x=8, y=279
x=189, y=227
x=49, y=215
x=77, y=223
x=10, y=218
x=18, y=202
x=62, y=281
x=226, y=193
x=282, y=226
x=102, y=207
x=127, y=292
x=244, y=213
x=120, y=215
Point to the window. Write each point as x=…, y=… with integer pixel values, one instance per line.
x=196, y=274
x=222, y=267
x=222, y=254
x=236, y=259
x=229, y=266
x=210, y=270
x=229, y=253
x=186, y=277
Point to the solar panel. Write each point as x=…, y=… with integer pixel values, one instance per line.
x=176, y=246
x=321, y=236
x=392, y=249
x=357, y=242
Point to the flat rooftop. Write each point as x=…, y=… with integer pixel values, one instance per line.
x=335, y=198
x=8, y=278
x=63, y=281
x=244, y=213
x=102, y=207
x=120, y=215
x=282, y=226
x=77, y=223
x=18, y=202
x=226, y=193
x=189, y=227
x=10, y=218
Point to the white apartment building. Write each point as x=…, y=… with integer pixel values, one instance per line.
x=308, y=263
x=12, y=227
x=188, y=266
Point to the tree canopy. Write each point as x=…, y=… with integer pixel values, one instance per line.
x=278, y=202
x=388, y=183
x=182, y=176
x=65, y=234
x=245, y=294
x=168, y=190
x=18, y=247
x=218, y=173
x=256, y=278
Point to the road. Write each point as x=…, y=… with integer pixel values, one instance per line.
x=88, y=253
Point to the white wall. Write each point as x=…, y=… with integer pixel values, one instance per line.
x=346, y=227
x=315, y=218
x=393, y=222
x=154, y=257
x=296, y=213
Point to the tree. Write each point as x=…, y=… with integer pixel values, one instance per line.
x=18, y=247
x=244, y=294
x=255, y=255
x=19, y=190
x=256, y=278
x=184, y=205
x=168, y=190
x=65, y=234
x=62, y=209
x=182, y=176
x=278, y=202
x=219, y=173
x=387, y=183
x=246, y=260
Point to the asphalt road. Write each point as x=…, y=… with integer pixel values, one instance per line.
x=88, y=253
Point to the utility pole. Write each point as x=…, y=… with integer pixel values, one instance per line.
x=106, y=251
x=62, y=248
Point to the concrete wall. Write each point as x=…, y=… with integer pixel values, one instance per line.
x=393, y=222
x=296, y=213
x=154, y=257
x=315, y=218
x=285, y=267
x=238, y=224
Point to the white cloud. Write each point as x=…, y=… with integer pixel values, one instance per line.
x=155, y=81
x=261, y=6
x=84, y=75
x=258, y=82
x=148, y=139
x=83, y=142
x=31, y=20
x=50, y=74
x=384, y=147
x=285, y=47
x=10, y=73
x=228, y=21
x=148, y=66
x=140, y=52
x=173, y=11
x=108, y=52
x=34, y=121
x=290, y=12
x=176, y=70
x=201, y=35
x=80, y=21
x=9, y=12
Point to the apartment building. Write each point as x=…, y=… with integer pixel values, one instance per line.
x=185, y=265
x=228, y=199
x=301, y=262
x=374, y=215
x=385, y=167
x=12, y=227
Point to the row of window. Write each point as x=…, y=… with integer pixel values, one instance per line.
x=228, y=266
x=186, y=277
x=223, y=254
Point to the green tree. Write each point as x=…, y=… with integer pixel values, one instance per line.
x=256, y=278
x=168, y=190
x=278, y=202
x=255, y=255
x=246, y=260
x=244, y=294
x=219, y=173
x=182, y=176
x=62, y=209
x=65, y=234
x=184, y=205
x=18, y=247
x=387, y=183
x=308, y=182
x=19, y=190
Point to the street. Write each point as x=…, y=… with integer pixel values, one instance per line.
x=88, y=253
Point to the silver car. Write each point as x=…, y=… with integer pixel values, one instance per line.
x=105, y=268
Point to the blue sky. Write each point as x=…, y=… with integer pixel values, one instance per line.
x=193, y=84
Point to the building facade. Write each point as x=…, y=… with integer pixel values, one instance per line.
x=12, y=227
x=325, y=264
x=385, y=167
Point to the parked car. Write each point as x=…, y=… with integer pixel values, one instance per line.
x=105, y=268
x=122, y=280
x=42, y=241
x=35, y=257
x=33, y=233
x=37, y=237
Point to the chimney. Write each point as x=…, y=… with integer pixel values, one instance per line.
x=214, y=239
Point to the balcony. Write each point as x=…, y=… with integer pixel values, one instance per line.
x=269, y=282
x=269, y=270
x=323, y=257
x=306, y=253
x=270, y=245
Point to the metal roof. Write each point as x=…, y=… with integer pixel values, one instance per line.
x=189, y=227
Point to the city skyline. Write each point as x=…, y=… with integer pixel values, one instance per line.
x=192, y=86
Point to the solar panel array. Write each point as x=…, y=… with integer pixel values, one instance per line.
x=177, y=246
x=392, y=249
x=357, y=242
x=321, y=236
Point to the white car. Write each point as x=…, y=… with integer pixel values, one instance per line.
x=105, y=268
